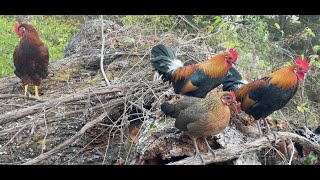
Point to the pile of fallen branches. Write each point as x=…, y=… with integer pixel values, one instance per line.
x=125, y=100
x=94, y=105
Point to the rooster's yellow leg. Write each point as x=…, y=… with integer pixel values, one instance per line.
x=25, y=89
x=36, y=91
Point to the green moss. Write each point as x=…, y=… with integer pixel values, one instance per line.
x=64, y=75
x=127, y=145
x=162, y=121
x=94, y=83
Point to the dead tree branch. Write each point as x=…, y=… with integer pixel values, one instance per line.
x=8, y=96
x=14, y=115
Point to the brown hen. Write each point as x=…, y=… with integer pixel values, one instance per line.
x=201, y=117
x=30, y=57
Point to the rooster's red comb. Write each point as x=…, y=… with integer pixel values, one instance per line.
x=234, y=54
x=303, y=62
x=232, y=95
x=16, y=26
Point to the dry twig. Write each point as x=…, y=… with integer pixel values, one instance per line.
x=102, y=52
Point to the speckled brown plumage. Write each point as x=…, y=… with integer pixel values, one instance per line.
x=201, y=117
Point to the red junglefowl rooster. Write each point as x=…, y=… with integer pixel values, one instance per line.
x=193, y=80
x=262, y=97
x=31, y=57
x=201, y=117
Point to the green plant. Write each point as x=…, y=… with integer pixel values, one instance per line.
x=311, y=159
x=302, y=108
x=159, y=23
x=8, y=42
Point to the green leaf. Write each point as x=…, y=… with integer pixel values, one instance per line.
x=309, y=32
x=307, y=162
x=128, y=40
x=312, y=34
x=288, y=63
x=218, y=20
x=296, y=22
x=313, y=156
x=311, y=159
x=265, y=37
x=277, y=25
x=316, y=48
x=299, y=108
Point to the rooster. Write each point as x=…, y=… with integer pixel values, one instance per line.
x=30, y=57
x=193, y=80
x=201, y=117
x=262, y=97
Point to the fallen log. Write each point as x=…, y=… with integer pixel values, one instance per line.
x=237, y=151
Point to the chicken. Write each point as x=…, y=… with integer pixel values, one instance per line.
x=262, y=97
x=193, y=80
x=201, y=117
x=31, y=57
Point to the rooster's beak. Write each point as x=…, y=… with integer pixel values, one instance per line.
x=235, y=63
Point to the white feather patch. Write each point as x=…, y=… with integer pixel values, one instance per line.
x=240, y=85
x=244, y=81
x=156, y=76
x=175, y=64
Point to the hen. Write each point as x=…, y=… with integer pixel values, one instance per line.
x=201, y=117
x=30, y=57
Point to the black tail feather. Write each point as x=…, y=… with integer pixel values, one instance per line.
x=233, y=81
x=161, y=58
x=317, y=131
x=233, y=71
x=162, y=50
